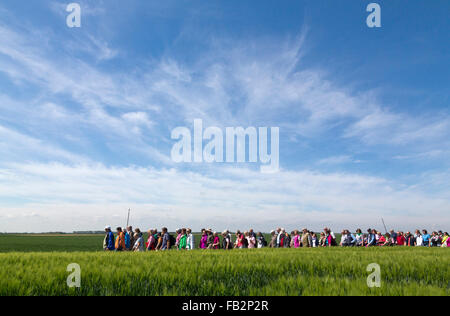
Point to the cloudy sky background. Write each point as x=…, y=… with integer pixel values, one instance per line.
x=86, y=114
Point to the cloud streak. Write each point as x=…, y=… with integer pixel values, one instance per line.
x=287, y=198
x=80, y=141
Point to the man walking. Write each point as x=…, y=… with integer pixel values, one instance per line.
x=279, y=235
x=165, y=239
x=108, y=242
x=273, y=240
x=131, y=239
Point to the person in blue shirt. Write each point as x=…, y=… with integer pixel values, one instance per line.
x=352, y=238
x=426, y=238
x=347, y=239
x=371, y=240
x=108, y=242
x=166, y=240
x=127, y=239
x=394, y=236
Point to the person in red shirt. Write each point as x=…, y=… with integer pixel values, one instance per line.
x=400, y=239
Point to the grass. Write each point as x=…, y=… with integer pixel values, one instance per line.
x=324, y=271
x=55, y=242
x=49, y=243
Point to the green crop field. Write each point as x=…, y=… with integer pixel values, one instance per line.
x=320, y=271
x=49, y=243
x=54, y=242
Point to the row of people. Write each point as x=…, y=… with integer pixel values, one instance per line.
x=376, y=238
x=129, y=240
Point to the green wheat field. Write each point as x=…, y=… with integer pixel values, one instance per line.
x=36, y=265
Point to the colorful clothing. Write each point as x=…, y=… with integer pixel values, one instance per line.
x=128, y=243
x=445, y=240
x=296, y=241
x=120, y=242
x=177, y=242
x=426, y=240
x=108, y=242
x=151, y=243
x=240, y=241
x=330, y=241
x=216, y=243
x=182, y=242
x=401, y=240
x=204, y=242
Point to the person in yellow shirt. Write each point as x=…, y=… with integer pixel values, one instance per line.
x=445, y=240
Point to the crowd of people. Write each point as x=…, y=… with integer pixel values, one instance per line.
x=128, y=239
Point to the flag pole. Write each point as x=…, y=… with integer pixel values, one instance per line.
x=384, y=225
x=128, y=218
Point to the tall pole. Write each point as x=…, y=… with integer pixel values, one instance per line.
x=384, y=225
x=128, y=218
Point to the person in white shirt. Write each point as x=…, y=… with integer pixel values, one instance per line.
x=280, y=231
x=359, y=238
x=251, y=241
x=419, y=240
x=344, y=238
x=139, y=244
x=261, y=242
x=313, y=239
x=226, y=240
x=227, y=232
x=190, y=243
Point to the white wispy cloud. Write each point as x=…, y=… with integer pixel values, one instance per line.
x=431, y=154
x=139, y=118
x=156, y=195
x=16, y=146
x=336, y=160
x=385, y=127
x=268, y=86
x=257, y=82
x=87, y=87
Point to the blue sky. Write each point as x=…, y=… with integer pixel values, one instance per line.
x=86, y=113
